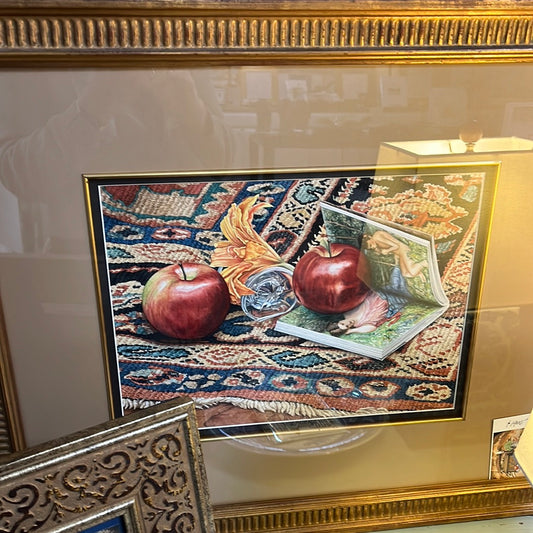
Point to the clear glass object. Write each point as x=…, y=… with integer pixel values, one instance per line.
x=273, y=294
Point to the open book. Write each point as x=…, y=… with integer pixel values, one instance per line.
x=405, y=295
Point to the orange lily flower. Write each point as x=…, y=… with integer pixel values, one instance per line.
x=244, y=252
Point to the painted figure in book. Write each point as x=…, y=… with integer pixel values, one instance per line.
x=385, y=243
x=377, y=307
x=365, y=318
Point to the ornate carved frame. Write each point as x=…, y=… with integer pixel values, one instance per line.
x=145, y=468
x=44, y=33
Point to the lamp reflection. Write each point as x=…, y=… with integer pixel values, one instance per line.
x=412, y=150
x=524, y=450
x=504, y=280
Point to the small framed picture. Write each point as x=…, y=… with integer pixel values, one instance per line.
x=113, y=525
x=506, y=433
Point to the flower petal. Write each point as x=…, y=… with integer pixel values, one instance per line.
x=244, y=252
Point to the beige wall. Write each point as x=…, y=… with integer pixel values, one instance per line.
x=56, y=125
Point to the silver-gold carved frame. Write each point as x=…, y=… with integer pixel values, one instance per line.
x=96, y=33
x=145, y=470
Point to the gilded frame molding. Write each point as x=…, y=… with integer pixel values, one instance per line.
x=379, y=510
x=11, y=433
x=129, y=32
x=45, y=33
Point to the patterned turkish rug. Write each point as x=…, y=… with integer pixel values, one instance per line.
x=245, y=363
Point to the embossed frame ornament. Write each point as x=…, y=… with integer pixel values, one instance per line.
x=145, y=469
x=109, y=33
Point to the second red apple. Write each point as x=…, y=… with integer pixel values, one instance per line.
x=333, y=280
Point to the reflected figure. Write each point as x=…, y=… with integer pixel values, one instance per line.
x=76, y=122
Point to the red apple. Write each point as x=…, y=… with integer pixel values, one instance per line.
x=186, y=301
x=331, y=281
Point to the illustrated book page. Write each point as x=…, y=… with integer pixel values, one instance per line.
x=405, y=293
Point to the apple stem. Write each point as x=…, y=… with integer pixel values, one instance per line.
x=183, y=270
x=326, y=244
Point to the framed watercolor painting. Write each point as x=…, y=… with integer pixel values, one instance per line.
x=295, y=299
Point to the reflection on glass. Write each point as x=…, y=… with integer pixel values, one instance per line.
x=470, y=133
x=301, y=117
x=299, y=443
x=56, y=126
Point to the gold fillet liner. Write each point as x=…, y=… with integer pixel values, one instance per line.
x=380, y=510
x=11, y=432
x=231, y=31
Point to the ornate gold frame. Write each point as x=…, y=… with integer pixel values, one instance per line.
x=129, y=32
x=379, y=510
x=45, y=33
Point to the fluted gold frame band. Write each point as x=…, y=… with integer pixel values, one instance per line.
x=379, y=510
x=35, y=34
x=230, y=31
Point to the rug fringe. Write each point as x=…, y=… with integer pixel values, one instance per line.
x=291, y=409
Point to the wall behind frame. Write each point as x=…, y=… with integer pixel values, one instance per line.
x=56, y=125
